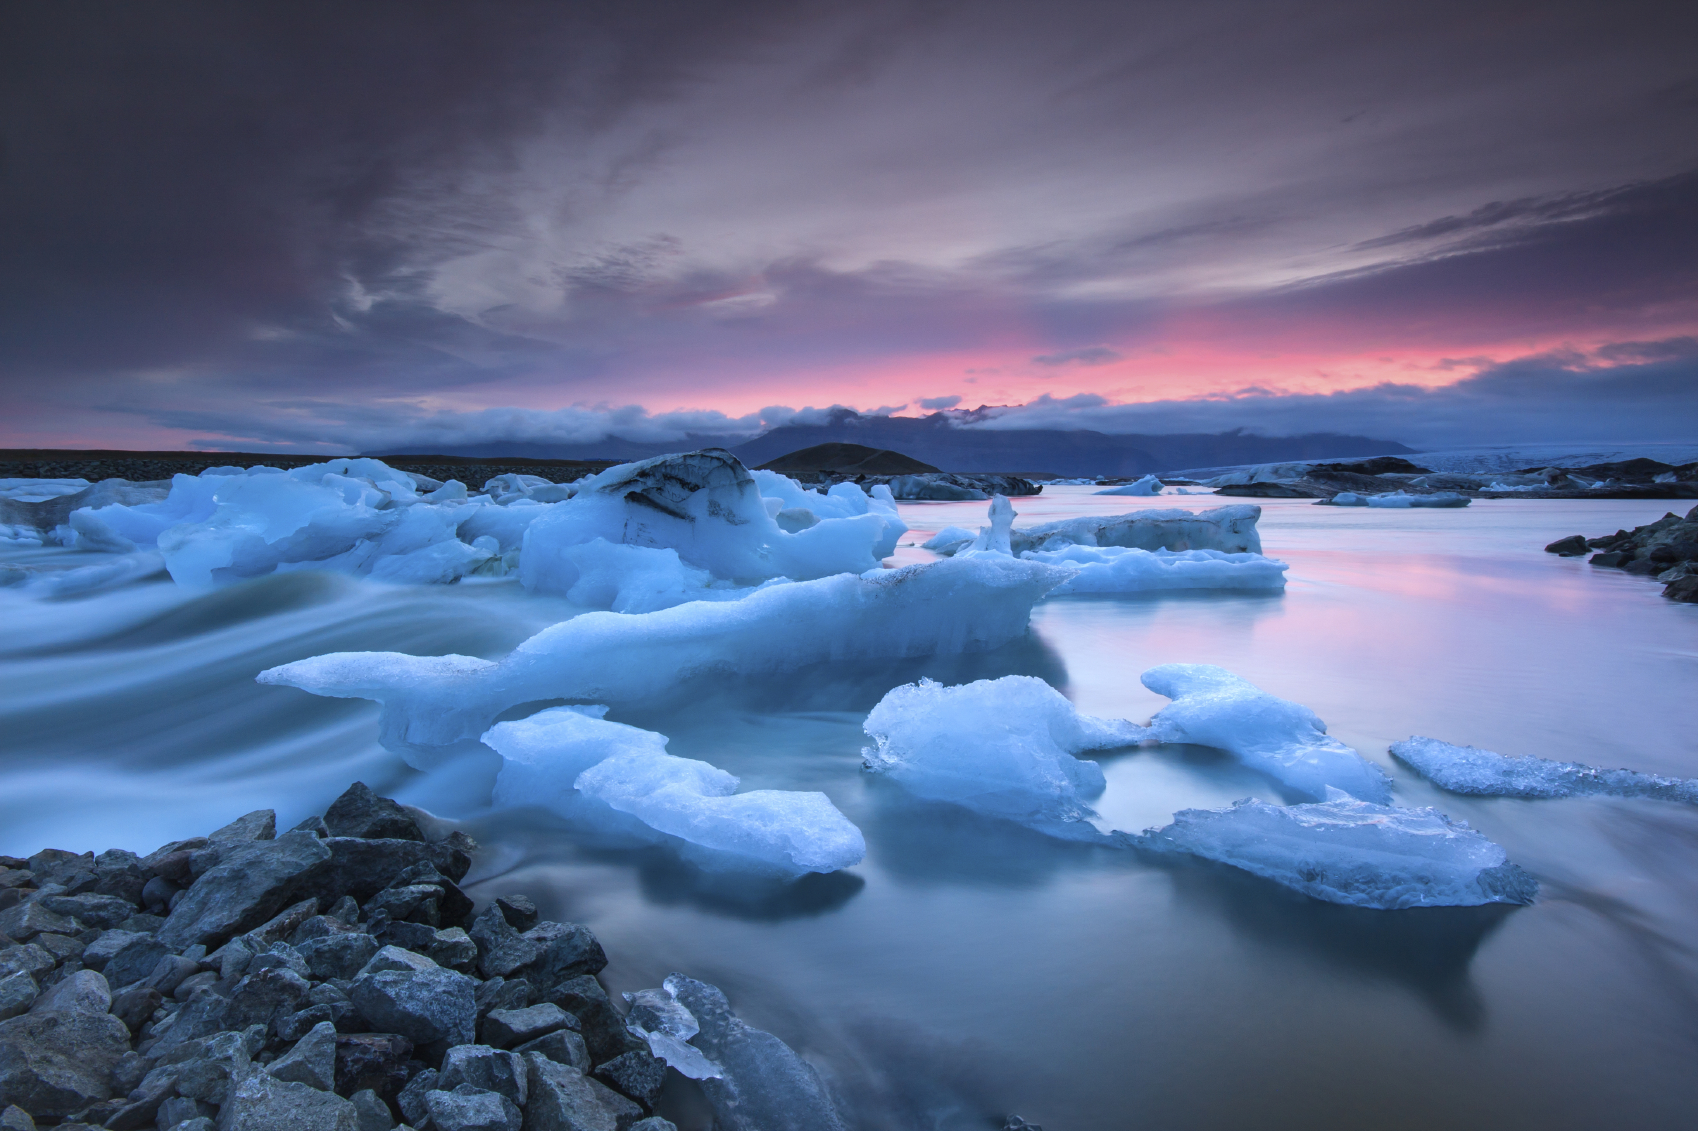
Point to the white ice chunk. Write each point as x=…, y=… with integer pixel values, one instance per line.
x=949, y=540
x=994, y=539
x=543, y=754
x=792, y=830
x=1231, y=530
x=1468, y=769
x=1397, y=499
x=1348, y=851
x=439, y=702
x=1000, y=746
x=1285, y=740
x=1148, y=485
x=1117, y=569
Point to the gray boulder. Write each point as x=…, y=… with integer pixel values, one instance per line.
x=83, y=992
x=211, y=1068
x=545, y=955
x=374, y=1114
x=58, y=1058
x=470, y=1109
x=265, y=997
x=562, y=1047
x=261, y=824
x=90, y=909
x=135, y=960
x=339, y=955
x=24, y=921
x=98, y=953
x=372, y=1061
x=16, y=1118
x=603, y=1028
x=28, y=959
x=361, y=868
x=562, y=1099
x=261, y=1102
x=504, y=1028
x=312, y=1061
x=656, y=1123
x=17, y=994
x=485, y=1068
x=423, y=1003
x=635, y=1074
x=178, y=1110
x=361, y=813
x=250, y=883
x=411, y=1099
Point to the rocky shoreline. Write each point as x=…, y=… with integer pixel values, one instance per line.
x=1666, y=549
x=337, y=977
x=1630, y=479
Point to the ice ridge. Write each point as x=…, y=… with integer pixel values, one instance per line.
x=1468, y=769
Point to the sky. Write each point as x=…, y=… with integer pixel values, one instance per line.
x=303, y=226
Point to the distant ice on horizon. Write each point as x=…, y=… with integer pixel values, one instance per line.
x=1494, y=458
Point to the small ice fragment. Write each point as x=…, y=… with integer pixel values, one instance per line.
x=1468, y=769
x=1286, y=740
x=1119, y=569
x=661, y=1020
x=1148, y=485
x=1344, y=850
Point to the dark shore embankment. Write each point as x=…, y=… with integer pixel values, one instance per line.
x=138, y=467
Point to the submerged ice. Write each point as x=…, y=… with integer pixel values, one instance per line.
x=1285, y=740
x=1004, y=747
x=1345, y=850
x=1468, y=769
x=1117, y=569
x=573, y=761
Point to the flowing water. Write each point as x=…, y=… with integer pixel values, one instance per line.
x=968, y=969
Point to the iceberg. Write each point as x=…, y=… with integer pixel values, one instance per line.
x=1148, y=485
x=1231, y=530
x=793, y=830
x=706, y=507
x=1285, y=740
x=1117, y=569
x=1468, y=769
x=1345, y=850
x=1004, y=747
x=437, y=704
x=1397, y=499
x=559, y=757
x=763, y=1084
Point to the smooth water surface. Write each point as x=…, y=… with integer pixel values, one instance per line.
x=968, y=969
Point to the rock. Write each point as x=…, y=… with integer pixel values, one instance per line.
x=313, y=825
x=638, y=1075
x=373, y=1113
x=279, y=956
x=1015, y=1123
x=17, y=993
x=178, y=1110
x=54, y=1063
x=24, y=921
x=312, y=1061
x=16, y=1118
x=135, y=960
x=362, y=868
x=264, y=1103
x=499, y=993
x=265, y=997
x=169, y=972
x=468, y=1109
x=1684, y=589
x=29, y=959
x=53, y=865
x=656, y=1123
x=63, y=948
x=249, y=884
x=83, y=992
x=374, y=1062
x=1569, y=547
x=504, y=1028
x=134, y=1005
x=545, y=955
x=361, y=813
x=212, y=1068
x=1611, y=559
x=520, y=912
x=484, y=1068
x=411, y=1099
x=425, y=1005
x=561, y=1099
x=261, y=824
x=202, y=1124
x=603, y=1028
x=90, y=909
x=102, y=950
x=626, y=1111
x=194, y=983
x=282, y=925
x=338, y=956
x=294, y=1026
x=563, y=1047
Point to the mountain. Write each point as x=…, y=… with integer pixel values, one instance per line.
x=938, y=440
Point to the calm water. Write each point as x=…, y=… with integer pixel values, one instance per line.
x=968, y=969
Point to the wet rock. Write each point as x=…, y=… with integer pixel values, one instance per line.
x=1611, y=559
x=63, y=948
x=82, y=992
x=279, y=956
x=562, y=1099
x=15, y=1118
x=656, y=1123
x=626, y=1111
x=520, y=912
x=411, y=1099
x=426, y=1004
x=361, y=868
x=1683, y=589
x=375, y=1062
x=485, y=1068
x=28, y=958
x=373, y=1113
x=563, y=1047
x=178, y=1110
x=504, y=1028
x=361, y=813
x=1569, y=547
x=58, y=1060
x=469, y=1109
x=499, y=993
x=211, y=1068
x=135, y=959
x=265, y=997
x=261, y=824
x=602, y=1027
x=312, y=1061
x=17, y=994
x=24, y=921
x=250, y=884
x=90, y=909
x=264, y=1103
x=98, y=953
x=545, y=955
x=635, y=1074
x=135, y=1004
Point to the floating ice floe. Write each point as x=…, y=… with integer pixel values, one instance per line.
x=1344, y=850
x=1468, y=769
x=1231, y=530
x=1117, y=569
x=570, y=759
x=1398, y=499
x=708, y=511
x=1004, y=747
x=661, y=1021
x=1285, y=740
x=763, y=1085
x=438, y=704
x=1148, y=485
